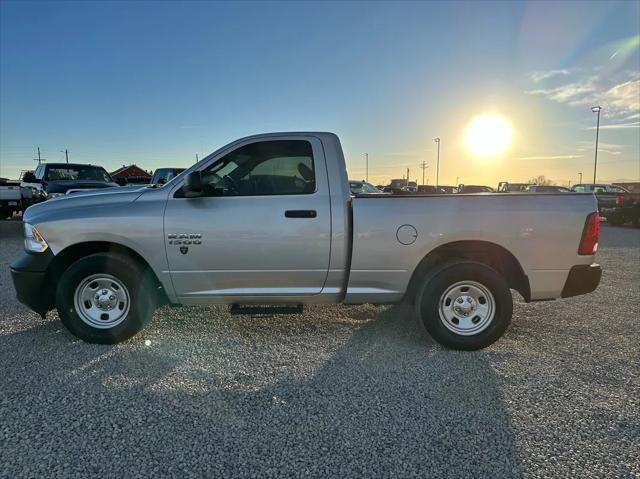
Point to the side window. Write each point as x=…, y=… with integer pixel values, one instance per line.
x=39, y=172
x=578, y=189
x=279, y=167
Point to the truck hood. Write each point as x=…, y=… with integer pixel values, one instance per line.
x=64, y=185
x=85, y=199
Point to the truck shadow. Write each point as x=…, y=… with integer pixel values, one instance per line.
x=385, y=401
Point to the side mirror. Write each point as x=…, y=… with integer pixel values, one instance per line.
x=162, y=181
x=192, y=186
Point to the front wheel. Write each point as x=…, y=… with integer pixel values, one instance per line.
x=465, y=305
x=104, y=298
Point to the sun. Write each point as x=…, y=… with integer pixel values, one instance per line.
x=488, y=135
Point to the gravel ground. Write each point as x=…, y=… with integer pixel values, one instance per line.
x=338, y=391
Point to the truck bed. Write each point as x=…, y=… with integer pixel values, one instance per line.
x=542, y=231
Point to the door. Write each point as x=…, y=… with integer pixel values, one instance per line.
x=262, y=228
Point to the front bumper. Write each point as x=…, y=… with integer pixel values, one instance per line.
x=34, y=288
x=582, y=279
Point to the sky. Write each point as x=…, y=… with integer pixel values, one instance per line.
x=157, y=83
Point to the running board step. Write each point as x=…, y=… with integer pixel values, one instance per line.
x=265, y=310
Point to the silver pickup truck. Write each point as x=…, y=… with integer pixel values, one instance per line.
x=269, y=220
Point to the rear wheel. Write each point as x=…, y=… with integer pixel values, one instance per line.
x=465, y=305
x=105, y=298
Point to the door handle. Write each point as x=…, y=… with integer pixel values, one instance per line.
x=300, y=213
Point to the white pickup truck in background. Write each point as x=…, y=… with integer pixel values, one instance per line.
x=269, y=220
x=10, y=198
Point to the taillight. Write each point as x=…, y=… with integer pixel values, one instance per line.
x=590, y=235
x=620, y=201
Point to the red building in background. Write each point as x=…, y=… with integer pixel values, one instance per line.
x=131, y=172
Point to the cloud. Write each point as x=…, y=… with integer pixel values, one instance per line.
x=625, y=96
x=618, y=100
x=566, y=93
x=617, y=126
x=544, y=75
x=603, y=147
x=556, y=157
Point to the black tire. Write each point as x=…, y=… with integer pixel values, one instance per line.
x=436, y=284
x=134, y=277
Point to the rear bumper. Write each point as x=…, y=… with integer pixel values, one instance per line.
x=582, y=279
x=33, y=286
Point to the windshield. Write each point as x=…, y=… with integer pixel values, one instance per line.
x=77, y=172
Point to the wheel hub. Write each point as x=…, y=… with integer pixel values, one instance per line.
x=467, y=308
x=102, y=301
x=465, y=305
x=105, y=299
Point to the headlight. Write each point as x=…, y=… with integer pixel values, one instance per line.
x=33, y=240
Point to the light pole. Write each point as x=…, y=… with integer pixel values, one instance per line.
x=437, y=140
x=596, y=109
x=580, y=182
x=457, y=178
x=366, y=159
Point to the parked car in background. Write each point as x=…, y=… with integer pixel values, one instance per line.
x=626, y=208
x=57, y=179
x=164, y=175
x=506, y=187
x=546, y=189
x=475, y=189
x=396, y=191
x=429, y=190
x=363, y=188
x=10, y=198
x=607, y=195
x=436, y=190
x=283, y=228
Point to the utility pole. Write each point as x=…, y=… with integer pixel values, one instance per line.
x=407, y=177
x=66, y=154
x=596, y=109
x=457, y=178
x=424, y=166
x=366, y=159
x=437, y=140
x=580, y=182
x=39, y=159
x=197, y=158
